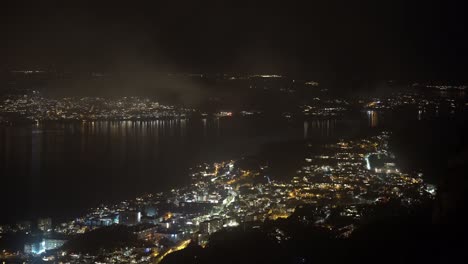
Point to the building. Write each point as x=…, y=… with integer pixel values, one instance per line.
x=24, y=226
x=230, y=222
x=105, y=221
x=201, y=239
x=43, y=245
x=211, y=226
x=52, y=243
x=150, y=211
x=129, y=218
x=34, y=248
x=166, y=224
x=255, y=217
x=173, y=235
x=44, y=224
x=145, y=231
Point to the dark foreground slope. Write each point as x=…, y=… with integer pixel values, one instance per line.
x=409, y=236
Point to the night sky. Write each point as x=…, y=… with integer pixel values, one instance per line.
x=362, y=39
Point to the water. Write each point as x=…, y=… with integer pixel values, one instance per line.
x=60, y=169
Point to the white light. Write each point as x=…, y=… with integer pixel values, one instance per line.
x=367, y=162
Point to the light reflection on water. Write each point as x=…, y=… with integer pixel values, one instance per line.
x=64, y=166
x=373, y=117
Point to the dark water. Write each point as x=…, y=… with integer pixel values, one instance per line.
x=60, y=169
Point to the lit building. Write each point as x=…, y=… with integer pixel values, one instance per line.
x=211, y=226
x=51, y=243
x=42, y=246
x=145, y=231
x=150, y=211
x=44, y=224
x=24, y=226
x=129, y=218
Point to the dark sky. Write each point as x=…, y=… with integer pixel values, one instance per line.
x=363, y=39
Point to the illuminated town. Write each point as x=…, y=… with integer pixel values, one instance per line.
x=37, y=108
x=342, y=182
x=34, y=107
x=207, y=132
x=336, y=188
